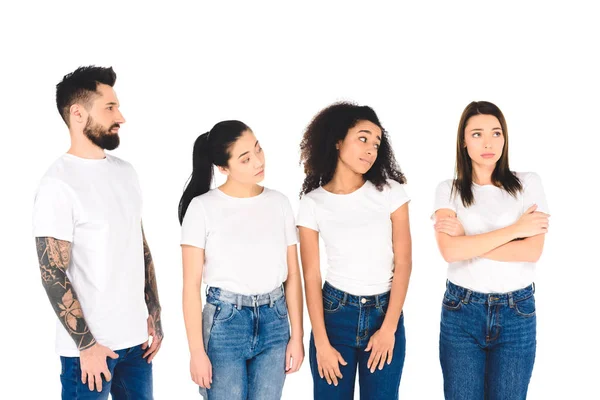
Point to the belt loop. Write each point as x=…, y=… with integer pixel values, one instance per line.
x=511, y=300
x=271, y=302
x=206, y=290
x=533, y=287
x=344, y=299
x=377, y=301
x=467, y=297
x=238, y=301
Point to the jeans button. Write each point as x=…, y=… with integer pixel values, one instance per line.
x=363, y=300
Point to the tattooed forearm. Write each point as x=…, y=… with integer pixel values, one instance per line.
x=151, y=290
x=54, y=256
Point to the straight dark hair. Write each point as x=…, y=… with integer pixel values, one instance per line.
x=212, y=147
x=501, y=176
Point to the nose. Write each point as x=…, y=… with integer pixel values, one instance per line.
x=120, y=118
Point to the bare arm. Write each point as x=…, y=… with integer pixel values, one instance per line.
x=311, y=269
x=54, y=256
x=526, y=250
x=402, y=266
x=459, y=248
x=293, y=292
x=193, y=264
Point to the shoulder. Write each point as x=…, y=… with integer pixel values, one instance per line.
x=528, y=177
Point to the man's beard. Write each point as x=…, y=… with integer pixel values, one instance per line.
x=100, y=136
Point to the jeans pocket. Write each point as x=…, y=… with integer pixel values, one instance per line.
x=525, y=307
x=451, y=302
x=330, y=304
x=224, y=312
x=280, y=307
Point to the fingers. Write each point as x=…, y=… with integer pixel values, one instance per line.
x=98, y=380
x=335, y=374
x=382, y=360
x=389, y=356
x=376, y=360
x=328, y=377
x=341, y=359
x=288, y=361
x=153, y=347
x=107, y=375
x=83, y=377
x=369, y=345
x=112, y=354
x=145, y=345
x=531, y=209
x=90, y=382
x=321, y=372
x=154, y=353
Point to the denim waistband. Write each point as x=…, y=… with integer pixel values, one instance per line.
x=356, y=300
x=468, y=295
x=244, y=300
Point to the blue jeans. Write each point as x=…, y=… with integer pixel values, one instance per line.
x=350, y=322
x=131, y=377
x=245, y=338
x=487, y=343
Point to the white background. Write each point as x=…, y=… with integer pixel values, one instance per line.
x=182, y=68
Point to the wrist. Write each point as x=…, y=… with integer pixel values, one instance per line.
x=388, y=328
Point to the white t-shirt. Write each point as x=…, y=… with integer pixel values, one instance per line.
x=357, y=231
x=493, y=208
x=96, y=205
x=245, y=240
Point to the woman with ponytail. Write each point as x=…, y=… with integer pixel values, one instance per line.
x=240, y=238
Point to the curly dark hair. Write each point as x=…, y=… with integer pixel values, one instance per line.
x=328, y=127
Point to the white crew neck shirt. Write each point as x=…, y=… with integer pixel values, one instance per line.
x=493, y=209
x=245, y=239
x=356, y=229
x=96, y=205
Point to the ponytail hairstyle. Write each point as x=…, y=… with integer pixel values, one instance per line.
x=212, y=147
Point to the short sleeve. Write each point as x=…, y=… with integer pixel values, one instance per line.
x=193, y=228
x=443, y=197
x=306, y=214
x=53, y=214
x=398, y=196
x=533, y=192
x=291, y=234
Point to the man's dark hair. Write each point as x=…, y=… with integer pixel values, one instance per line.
x=80, y=87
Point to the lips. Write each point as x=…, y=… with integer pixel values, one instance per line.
x=488, y=155
x=260, y=173
x=365, y=161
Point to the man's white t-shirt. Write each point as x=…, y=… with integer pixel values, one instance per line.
x=357, y=231
x=493, y=209
x=245, y=240
x=96, y=205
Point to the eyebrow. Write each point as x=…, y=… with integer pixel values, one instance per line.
x=111, y=103
x=481, y=130
x=369, y=132
x=246, y=152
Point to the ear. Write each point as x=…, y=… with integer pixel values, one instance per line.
x=338, y=144
x=77, y=113
x=222, y=170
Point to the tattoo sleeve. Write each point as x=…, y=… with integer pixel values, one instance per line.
x=151, y=291
x=54, y=256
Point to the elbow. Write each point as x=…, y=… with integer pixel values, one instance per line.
x=449, y=256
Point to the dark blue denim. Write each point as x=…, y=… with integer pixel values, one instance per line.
x=350, y=322
x=487, y=343
x=131, y=378
x=245, y=338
